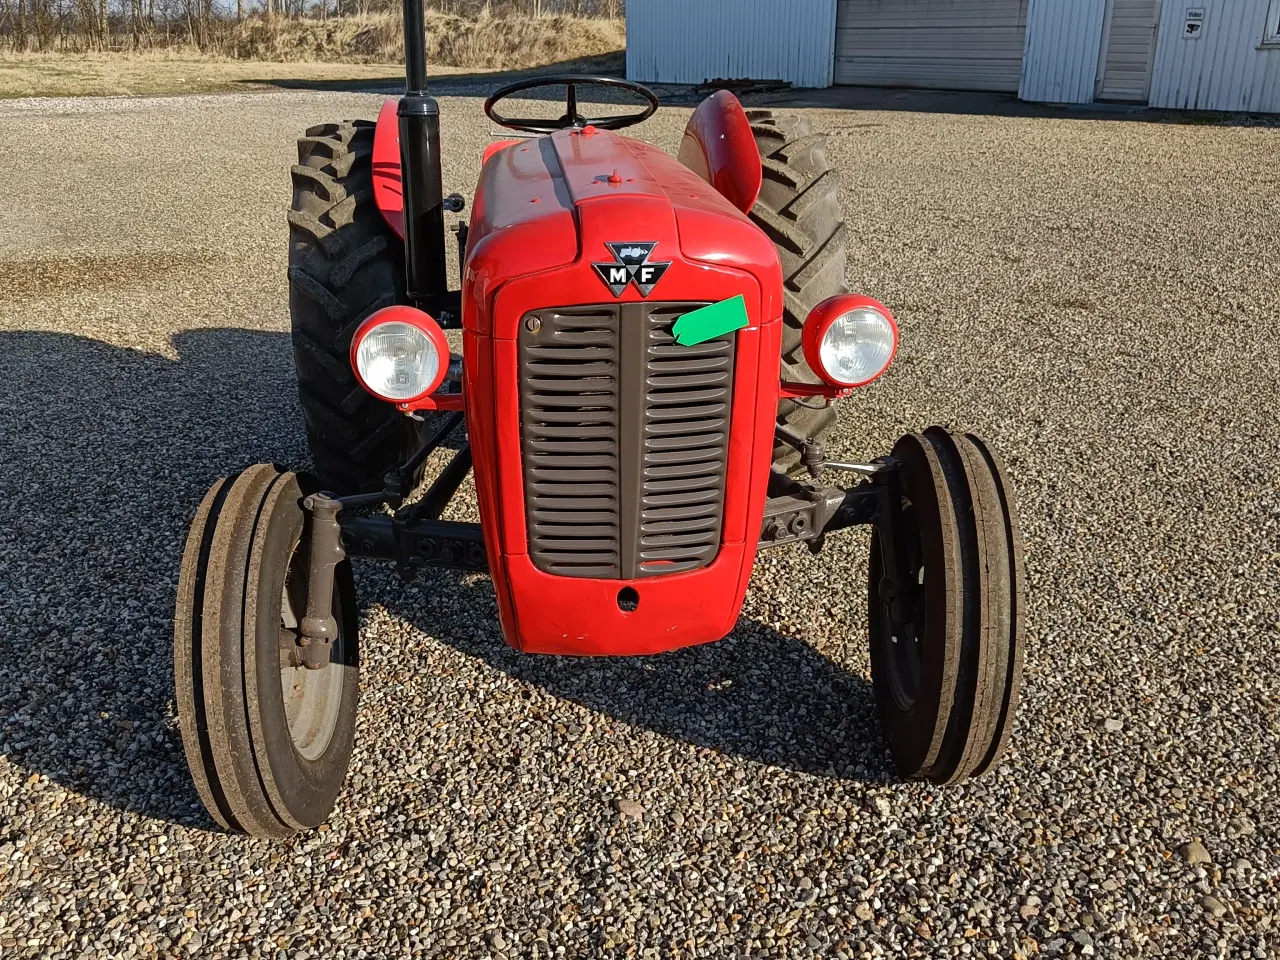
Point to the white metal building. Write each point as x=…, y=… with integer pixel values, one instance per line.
x=1186, y=54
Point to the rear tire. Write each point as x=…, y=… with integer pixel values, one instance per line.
x=799, y=209
x=344, y=263
x=268, y=745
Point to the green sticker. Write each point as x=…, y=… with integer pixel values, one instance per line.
x=707, y=323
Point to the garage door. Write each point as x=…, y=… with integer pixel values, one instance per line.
x=947, y=44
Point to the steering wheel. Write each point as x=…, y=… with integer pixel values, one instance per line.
x=571, y=118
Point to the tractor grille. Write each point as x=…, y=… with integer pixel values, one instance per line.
x=685, y=446
x=569, y=419
x=624, y=438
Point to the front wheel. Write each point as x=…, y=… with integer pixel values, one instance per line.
x=946, y=636
x=267, y=740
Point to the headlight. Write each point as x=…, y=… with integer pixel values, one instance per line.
x=399, y=354
x=850, y=340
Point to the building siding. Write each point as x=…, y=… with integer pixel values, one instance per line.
x=1064, y=38
x=691, y=41
x=1223, y=69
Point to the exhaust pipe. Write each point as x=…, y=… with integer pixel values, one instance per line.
x=422, y=180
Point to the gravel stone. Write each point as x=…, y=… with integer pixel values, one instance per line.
x=1194, y=852
x=1214, y=906
x=1242, y=827
x=1096, y=297
x=629, y=809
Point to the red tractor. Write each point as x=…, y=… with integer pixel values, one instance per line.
x=651, y=348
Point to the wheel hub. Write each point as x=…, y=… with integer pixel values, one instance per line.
x=312, y=695
x=904, y=611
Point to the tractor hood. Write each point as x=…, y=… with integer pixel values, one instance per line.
x=579, y=196
x=604, y=535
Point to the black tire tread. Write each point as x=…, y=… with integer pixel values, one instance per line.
x=344, y=263
x=799, y=210
x=234, y=761
x=960, y=729
x=1017, y=599
x=187, y=655
x=983, y=644
x=253, y=708
x=917, y=738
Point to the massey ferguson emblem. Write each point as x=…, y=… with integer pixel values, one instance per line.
x=632, y=266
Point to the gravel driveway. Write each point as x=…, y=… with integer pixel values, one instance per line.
x=1098, y=298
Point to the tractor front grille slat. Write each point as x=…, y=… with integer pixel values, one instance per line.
x=624, y=436
x=569, y=427
x=686, y=447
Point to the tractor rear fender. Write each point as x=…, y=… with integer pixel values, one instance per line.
x=387, y=190
x=719, y=147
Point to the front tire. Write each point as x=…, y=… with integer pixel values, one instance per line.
x=947, y=664
x=268, y=744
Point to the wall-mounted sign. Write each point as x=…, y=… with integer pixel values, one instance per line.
x=1193, y=23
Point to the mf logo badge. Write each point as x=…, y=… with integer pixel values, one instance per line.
x=632, y=266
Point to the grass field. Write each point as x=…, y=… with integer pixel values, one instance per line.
x=347, y=52
x=97, y=75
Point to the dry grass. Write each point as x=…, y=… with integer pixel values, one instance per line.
x=99, y=75
x=489, y=43
x=256, y=54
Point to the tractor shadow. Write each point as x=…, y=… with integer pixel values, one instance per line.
x=105, y=453
x=454, y=82
x=483, y=83
x=756, y=694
